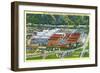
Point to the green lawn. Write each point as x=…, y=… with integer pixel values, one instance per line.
x=75, y=54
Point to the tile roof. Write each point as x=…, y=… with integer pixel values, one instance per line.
x=69, y=38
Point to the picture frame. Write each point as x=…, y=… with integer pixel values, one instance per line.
x=52, y=36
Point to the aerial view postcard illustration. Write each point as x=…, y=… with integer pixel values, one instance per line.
x=51, y=35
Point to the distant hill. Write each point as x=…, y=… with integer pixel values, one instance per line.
x=41, y=19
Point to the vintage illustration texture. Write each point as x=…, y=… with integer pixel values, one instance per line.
x=51, y=35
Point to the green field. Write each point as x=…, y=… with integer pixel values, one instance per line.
x=75, y=54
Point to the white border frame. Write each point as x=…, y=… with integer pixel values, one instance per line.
x=61, y=62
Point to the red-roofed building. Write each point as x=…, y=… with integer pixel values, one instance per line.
x=55, y=39
x=56, y=36
x=73, y=38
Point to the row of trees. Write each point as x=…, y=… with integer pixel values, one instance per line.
x=57, y=19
